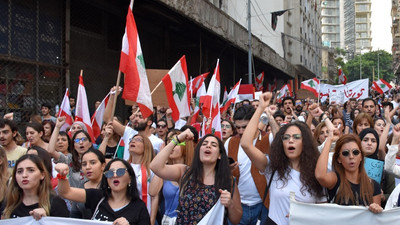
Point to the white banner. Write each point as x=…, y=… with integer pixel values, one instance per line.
x=341, y=93
x=332, y=214
x=49, y=220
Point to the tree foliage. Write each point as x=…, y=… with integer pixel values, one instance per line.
x=369, y=62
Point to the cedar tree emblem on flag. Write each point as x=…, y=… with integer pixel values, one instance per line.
x=274, y=17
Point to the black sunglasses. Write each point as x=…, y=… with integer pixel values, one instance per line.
x=161, y=126
x=119, y=172
x=355, y=152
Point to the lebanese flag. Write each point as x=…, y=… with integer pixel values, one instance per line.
x=381, y=86
x=97, y=118
x=231, y=98
x=286, y=90
x=225, y=95
x=176, y=88
x=82, y=109
x=211, y=99
x=136, y=84
x=246, y=91
x=271, y=87
x=342, y=76
x=65, y=110
x=259, y=82
x=311, y=85
x=197, y=82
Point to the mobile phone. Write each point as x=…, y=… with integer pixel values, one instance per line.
x=231, y=160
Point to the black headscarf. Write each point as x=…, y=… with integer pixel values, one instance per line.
x=366, y=131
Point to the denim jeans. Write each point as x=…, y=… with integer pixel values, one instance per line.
x=251, y=213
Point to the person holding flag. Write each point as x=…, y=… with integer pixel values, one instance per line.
x=207, y=183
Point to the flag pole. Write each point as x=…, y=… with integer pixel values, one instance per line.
x=116, y=95
x=156, y=87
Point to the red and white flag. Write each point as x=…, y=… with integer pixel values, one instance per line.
x=176, y=88
x=136, y=84
x=246, y=91
x=82, y=108
x=213, y=92
x=342, y=76
x=272, y=87
x=211, y=104
x=231, y=98
x=286, y=90
x=196, y=83
x=97, y=117
x=259, y=82
x=311, y=85
x=381, y=86
x=65, y=110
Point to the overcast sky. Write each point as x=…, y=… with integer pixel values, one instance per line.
x=381, y=23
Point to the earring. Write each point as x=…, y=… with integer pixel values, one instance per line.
x=109, y=187
x=129, y=185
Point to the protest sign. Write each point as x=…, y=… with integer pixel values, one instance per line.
x=374, y=169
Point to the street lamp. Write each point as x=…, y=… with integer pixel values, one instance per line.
x=360, y=61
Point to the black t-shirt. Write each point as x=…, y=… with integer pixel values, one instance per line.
x=135, y=212
x=356, y=192
x=57, y=208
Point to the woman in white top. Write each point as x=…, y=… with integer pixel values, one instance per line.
x=291, y=162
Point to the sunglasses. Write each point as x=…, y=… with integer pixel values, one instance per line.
x=77, y=140
x=286, y=137
x=227, y=126
x=240, y=127
x=118, y=172
x=355, y=152
x=161, y=126
x=136, y=139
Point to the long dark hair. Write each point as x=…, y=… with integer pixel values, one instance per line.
x=223, y=175
x=76, y=163
x=131, y=192
x=280, y=163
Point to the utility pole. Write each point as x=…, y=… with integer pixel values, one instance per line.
x=378, y=65
x=249, y=42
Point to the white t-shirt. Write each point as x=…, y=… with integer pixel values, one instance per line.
x=321, y=147
x=247, y=188
x=138, y=174
x=279, y=195
x=157, y=143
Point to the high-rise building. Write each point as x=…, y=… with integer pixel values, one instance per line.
x=396, y=36
x=363, y=25
x=330, y=23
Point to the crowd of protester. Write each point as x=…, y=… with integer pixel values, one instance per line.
x=158, y=171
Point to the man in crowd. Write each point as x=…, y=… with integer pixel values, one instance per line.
x=251, y=183
x=369, y=107
x=45, y=109
x=8, y=133
x=287, y=104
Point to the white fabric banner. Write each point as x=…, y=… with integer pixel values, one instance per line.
x=215, y=216
x=49, y=220
x=341, y=93
x=332, y=214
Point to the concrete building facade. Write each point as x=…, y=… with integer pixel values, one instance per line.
x=395, y=13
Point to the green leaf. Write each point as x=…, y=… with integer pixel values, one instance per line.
x=180, y=88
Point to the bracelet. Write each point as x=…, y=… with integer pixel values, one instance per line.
x=173, y=140
x=177, y=139
x=60, y=177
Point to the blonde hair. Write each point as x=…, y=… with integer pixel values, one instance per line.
x=148, y=153
x=15, y=194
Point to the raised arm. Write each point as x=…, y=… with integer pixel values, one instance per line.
x=256, y=156
x=108, y=110
x=109, y=131
x=170, y=172
x=325, y=178
x=53, y=139
x=390, y=158
x=64, y=189
x=384, y=136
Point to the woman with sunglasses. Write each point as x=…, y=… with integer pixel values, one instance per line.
x=208, y=179
x=289, y=167
x=180, y=154
x=29, y=192
x=141, y=153
x=116, y=201
x=349, y=184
